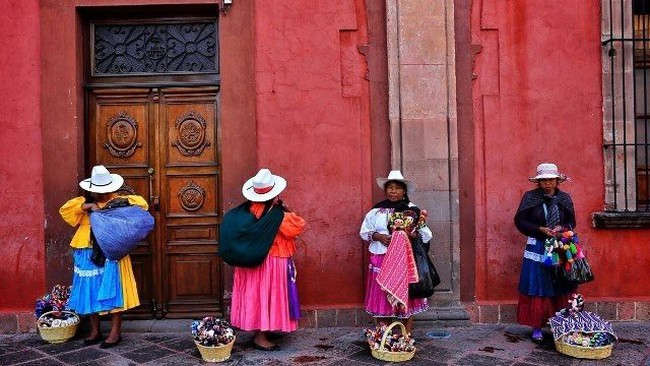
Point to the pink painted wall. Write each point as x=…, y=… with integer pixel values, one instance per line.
x=537, y=97
x=313, y=129
x=22, y=246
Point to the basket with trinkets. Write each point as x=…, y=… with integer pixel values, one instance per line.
x=55, y=322
x=388, y=345
x=582, y=334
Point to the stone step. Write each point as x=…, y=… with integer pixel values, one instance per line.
x=451, y=315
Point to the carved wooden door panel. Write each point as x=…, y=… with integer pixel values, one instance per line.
x=164, y=142
x=189, y=189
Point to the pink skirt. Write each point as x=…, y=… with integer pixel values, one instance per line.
x=260, y=297
x=377, y=303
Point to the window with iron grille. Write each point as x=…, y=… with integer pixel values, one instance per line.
x=626, y=117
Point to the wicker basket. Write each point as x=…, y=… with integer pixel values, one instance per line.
x=215, y=353
x=592, y=353
x=58, y=334
x=389, y=356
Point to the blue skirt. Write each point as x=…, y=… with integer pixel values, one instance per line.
x=536, y=279
x=94, y=289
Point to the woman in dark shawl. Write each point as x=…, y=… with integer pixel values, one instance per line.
x=541, y=213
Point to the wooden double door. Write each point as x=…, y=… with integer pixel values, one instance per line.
x=164, y=142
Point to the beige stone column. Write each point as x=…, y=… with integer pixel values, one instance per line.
x=422, y=113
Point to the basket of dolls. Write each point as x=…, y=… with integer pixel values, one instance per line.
x=387, y=345
x=54, y=320
x=582, y=334
x=57, y=326
x=214, y=337
x=586, y=345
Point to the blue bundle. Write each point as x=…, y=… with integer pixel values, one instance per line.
x=119, y=230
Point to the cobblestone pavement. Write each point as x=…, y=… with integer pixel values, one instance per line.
x=489, y=345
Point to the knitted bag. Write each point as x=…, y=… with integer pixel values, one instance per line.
x=119, y=230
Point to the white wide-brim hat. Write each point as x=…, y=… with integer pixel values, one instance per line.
x=102, y=181
x=263, y=186
x=396, y=175
x=548, y=171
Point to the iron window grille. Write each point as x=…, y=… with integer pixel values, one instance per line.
x=154, y=48
x=626, y=96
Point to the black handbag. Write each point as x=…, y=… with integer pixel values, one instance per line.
x=427, y=272
x=579, y=273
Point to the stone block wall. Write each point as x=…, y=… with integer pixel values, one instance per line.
x=613, y=311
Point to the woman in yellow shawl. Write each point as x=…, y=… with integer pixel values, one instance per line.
x=91, y=294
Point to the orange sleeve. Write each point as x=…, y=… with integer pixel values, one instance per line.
x=292, y=225
x=284, y=244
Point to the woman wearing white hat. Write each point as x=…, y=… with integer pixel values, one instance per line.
x=258, y=239
x=90, y=295
x=541, y=213
x=375, y=231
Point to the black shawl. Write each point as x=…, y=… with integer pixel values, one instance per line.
x=530, y=215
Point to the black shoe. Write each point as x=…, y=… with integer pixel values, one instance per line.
x=92, y=341
x=273, y=348
x=274, y=335
x=109, y=345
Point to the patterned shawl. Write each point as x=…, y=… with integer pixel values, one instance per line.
x=398, y=270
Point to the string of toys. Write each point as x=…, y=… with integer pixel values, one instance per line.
x=564, y=254
x=563, y=249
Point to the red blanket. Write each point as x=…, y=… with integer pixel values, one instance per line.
x=398, y=270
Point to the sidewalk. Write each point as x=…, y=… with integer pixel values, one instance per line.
x=167, y=343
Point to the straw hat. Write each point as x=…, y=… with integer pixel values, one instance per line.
x=263, y=186
x=102, y=181
x=396, y=175
x=548, y=171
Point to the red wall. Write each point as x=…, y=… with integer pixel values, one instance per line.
x=294, y=98
x=300, y=97
x=537, y=98
x=22, y=246
x=313, y=129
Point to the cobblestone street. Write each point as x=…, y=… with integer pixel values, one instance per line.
x=488, y=345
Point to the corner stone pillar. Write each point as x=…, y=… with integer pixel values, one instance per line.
x=422, y=113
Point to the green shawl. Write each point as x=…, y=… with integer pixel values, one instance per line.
x=245, y=241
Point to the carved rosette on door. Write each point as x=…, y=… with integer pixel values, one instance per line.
x=191, y=134
x=122, y=135
x=191, y=196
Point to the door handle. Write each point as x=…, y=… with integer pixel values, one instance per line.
x=154, y=201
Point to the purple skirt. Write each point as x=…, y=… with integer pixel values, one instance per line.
x=377, y=303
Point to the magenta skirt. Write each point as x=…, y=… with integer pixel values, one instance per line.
x=377, y=303
x=260, y=297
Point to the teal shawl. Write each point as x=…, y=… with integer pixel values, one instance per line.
x=245, y=241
